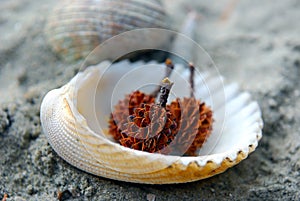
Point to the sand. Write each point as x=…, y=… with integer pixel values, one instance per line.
x=257, y=45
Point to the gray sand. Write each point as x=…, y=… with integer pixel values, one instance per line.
x=258, y=46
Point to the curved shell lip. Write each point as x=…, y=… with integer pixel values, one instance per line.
x=175, y=169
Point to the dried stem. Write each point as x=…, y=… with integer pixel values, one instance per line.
x=192, y=72
x=169, y=69
x=165, y=90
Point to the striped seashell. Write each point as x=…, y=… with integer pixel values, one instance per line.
x=76, y=27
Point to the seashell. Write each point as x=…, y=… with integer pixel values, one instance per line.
x=75, y=121
x=76, y=27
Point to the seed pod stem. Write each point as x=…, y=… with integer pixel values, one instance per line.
x=192, y=73
x=164, y=92
x=169, y=70
x=170, y=67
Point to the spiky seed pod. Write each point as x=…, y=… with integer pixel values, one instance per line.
x=126, y=108
x=151, y=129
x=139, y=124
x=194, y=121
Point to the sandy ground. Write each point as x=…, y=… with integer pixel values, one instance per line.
x=258, y=46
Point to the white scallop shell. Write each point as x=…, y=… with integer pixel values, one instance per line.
x=76, y=27
x=75, y=119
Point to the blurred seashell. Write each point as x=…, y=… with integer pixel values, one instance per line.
x=74, y=119
x=76, y=27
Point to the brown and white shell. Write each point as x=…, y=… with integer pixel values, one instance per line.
x=76, y=27
x=74, y=119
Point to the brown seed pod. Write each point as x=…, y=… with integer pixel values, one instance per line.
x=150, y=128
x=147, y=127
x=125, y=108
x=194, y=121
